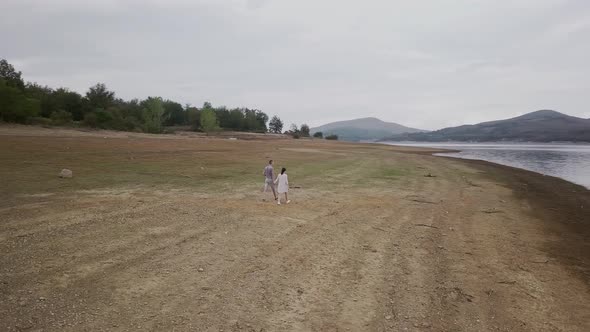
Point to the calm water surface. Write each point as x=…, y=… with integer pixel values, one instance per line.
x=567, y=161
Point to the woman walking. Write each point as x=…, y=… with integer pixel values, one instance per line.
x=283, y=182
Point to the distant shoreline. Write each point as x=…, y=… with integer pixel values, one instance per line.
x=507, y=166
x=441, y=145
x=401, y=143
x=521, y=172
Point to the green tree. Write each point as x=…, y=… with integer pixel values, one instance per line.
x=153, y=114
x=117, y=119
x=194, y=117
x=318, y=134
x=250, y=121
x=15, y=106
x=44, y=95
x=262, y=119
x=69, y=101
x=304, y=130
x=236, y=119
x=26, y=109
x=10, y=76
x=99, y=118
x=56, y=100
x=98, y=96
x=294, y=131
x=9, y=95
x=130, y=109
x=275, y=125
x=174, y=113
x=223, y=116
x=208, y=120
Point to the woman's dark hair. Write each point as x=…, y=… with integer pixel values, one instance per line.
x=283, y=170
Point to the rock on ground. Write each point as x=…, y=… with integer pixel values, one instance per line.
x=66, y=173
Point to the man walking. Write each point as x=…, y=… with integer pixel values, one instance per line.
x=269, y=178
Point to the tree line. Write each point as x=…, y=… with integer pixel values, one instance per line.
x=304, y=131
x=31, y=103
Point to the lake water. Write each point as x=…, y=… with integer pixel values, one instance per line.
x=567, y=161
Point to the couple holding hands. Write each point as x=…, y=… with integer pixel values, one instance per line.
x=282, y=180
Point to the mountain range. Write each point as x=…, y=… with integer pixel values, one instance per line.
x=539, y=126
x=363, y=129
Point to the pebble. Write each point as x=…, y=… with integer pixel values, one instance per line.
x=201, y=269
x=388, y=317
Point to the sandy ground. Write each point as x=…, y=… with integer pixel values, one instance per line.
x=173, y=234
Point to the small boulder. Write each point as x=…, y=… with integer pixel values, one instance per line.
x=65, y=173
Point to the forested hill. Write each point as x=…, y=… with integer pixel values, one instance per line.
x=539, y=126
x=363, y=129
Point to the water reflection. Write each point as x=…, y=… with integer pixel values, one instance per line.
x=570, y=162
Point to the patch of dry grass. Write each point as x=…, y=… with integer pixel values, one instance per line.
x=29, y=165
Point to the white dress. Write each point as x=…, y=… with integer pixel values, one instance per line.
x=283, y=182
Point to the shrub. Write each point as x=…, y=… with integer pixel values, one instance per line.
x=319, y=134
x=61, y=118
x=332, y=137
x=104, y=119
x=90, y=120
x=304, y=130
x=41, y=121
x=131, y=123
x=15, y=107
x=296, y=135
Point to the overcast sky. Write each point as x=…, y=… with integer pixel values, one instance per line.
x=425, y=64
